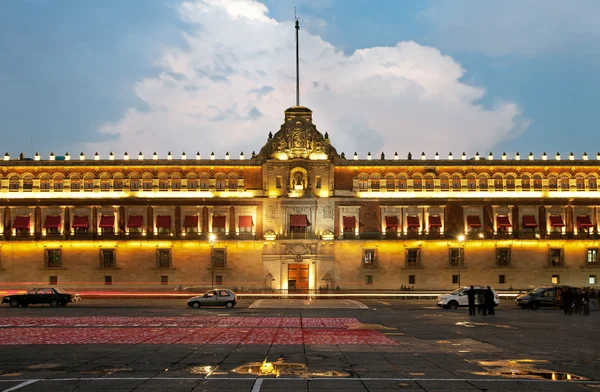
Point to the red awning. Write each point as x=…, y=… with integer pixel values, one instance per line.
x=80, y=221
x=190, y=221
x=556, y=221
x=246, y=221
x=21, y=222
x=218, y=221
x=391, y=222
x=52, y=222
x=473, y=221
x=435, y=221
x=584, y=221
x=503, y=221
x=163, y=221
x=135, y=221
x=529, y=222
x=298, y=221
x=107, y=221
x=349, y=223
x=413, y=221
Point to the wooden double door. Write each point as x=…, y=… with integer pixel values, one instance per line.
x=298, y=276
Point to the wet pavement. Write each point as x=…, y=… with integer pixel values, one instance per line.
x=396, y=345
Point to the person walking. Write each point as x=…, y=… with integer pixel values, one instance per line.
x=471, y=298
x=489, y=301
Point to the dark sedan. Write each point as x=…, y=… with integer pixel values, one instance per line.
x=52, y=296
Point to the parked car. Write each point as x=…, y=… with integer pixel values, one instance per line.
x=216, y=297
x=459, y=297
x=48, y=295
x=543, y=296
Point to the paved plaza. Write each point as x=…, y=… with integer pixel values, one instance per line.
x=295, y=345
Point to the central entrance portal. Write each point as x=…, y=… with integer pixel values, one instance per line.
x=297, y=276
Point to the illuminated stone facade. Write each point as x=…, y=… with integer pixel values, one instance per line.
x=299, y=215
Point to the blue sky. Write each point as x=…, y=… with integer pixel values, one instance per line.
x=380, y=76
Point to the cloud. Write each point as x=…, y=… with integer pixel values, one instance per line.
x=522, y=27
x=228, y=87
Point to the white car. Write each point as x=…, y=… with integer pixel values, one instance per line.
x=459, y=297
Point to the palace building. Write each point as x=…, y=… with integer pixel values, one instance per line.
x=298, y=215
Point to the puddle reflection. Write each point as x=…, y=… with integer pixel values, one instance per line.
x=281, y=368
x=523, y=368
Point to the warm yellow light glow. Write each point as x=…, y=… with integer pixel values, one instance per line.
x=98, y=194
x=318, y=156
x=282, y=156
x=212, y=238
x=461, y=238
x=474, y=195
x=324, y=193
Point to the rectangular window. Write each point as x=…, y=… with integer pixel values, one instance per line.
x=53, y=280
x=592, y=279
x=454, y=279
x=164, y=280
x=218, y=280
x=369, y=256
x=108, y=258
x=555, y=279
x=592, y=256
x=278, y=182
x=108, y=280
x=118, y=185
x=53, y=258
x=502, y=257
x=163, y=258
x=369, y=279
x=318, y=182
x=413, y=258
x=219, y=258
x=455, y=257
x=412, y=279
x=555, y=257
x=501, y=279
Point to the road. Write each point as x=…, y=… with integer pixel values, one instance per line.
x=296, y=345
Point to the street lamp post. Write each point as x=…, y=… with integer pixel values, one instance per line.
x=212, y=240
x=461, y=239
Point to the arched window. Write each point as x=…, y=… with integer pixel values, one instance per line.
x=134, y=183
x=552, y=183
x=163, y=183
x=592, y=183
x=429, y=183
x=232, y=184
x=204, y=182
x=580, y=183
x=417, y=183
x=175, y=183
x=192, y=184
x=220, y=182
x=105, y=183
x=525, y=183
x=118, y=183
x=363, y=181
x=375, y=182
x=456, y=183
x=537, y=182
x=13, y=183
x=88, y=183
x=444, y=183
x=27, y=183
x=483, y=183
x=390, y=183
x=402, y=183
x=564, y=183
x=510, y=183
x=498, y=183
x=75, y=183
x=45, y=183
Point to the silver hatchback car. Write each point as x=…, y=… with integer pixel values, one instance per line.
x=215, y=297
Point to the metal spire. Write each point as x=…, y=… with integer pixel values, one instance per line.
x=297, y=61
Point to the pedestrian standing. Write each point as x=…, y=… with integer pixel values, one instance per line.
x=585, y=300
x=578, y=300
x=567, y=300
x=593, y=301
x=490, y=302
x=471, y=298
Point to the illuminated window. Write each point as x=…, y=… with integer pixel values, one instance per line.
x=233, y=184
x=402, y=183
x=417, y=183
x=192, y=184
x=592, y=279
x=375, y=183
x=58, y=184
x=555, y=257
x=592, y=256
x=483, y=183
x=580, y=183
x=108, y=258
x=456, y=183
x=13, y=184
x=163, y=184
x=555, y=279
x=498, y=183
x=390, y=183
x=88, y=184
x=537, y=183
x=444, y=183
x=552, y=183
x=147, y=184
x=163, y=258
x=27, y=184
x=44, y=184
x=502, y=257
x=118, y=184
x=454, y=257
x=564, y=183
x=134, y=184
x=592, y=183
x=369, y=256
x=429, y=183
x=525, y=183
x=413, y=257
x=204, y=183
x=104, y=184
x=510, y=183
x=53, y=258
x=75, y=184
x=176, y=184
x=221, y=183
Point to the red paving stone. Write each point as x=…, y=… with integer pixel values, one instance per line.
x=186, y=330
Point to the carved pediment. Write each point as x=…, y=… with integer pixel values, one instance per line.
x=298, y=138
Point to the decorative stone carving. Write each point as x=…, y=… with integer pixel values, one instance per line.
x=298, y=249
x=271, y=213
x=328, y=212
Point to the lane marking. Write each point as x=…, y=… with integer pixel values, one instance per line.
x=257, y=384
x=255, y=304
x=360, y=305
x=21, y=385
x=384, y=303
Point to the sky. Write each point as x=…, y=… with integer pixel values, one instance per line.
x=216, y=75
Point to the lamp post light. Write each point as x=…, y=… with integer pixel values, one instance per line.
x=212, y=240
x=461, y=239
